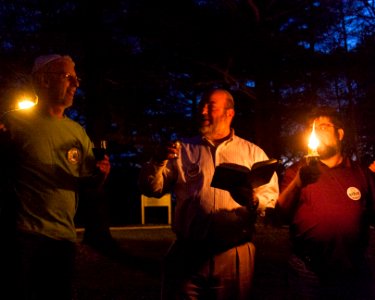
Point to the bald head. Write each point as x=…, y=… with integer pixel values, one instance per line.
x=228, y=97
x=216, y=114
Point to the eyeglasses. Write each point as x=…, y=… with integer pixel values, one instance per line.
x=67, y=76
x=324, y=126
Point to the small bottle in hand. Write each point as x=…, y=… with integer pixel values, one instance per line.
x=100, y=149
x=167, y=150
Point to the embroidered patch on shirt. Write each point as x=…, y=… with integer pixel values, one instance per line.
x=74, y=156
x=353, y=193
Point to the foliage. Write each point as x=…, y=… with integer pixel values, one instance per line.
x=145, y=63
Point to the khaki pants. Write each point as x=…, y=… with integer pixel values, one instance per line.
x=193, y=272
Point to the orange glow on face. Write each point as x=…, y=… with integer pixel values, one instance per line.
x=313, y=142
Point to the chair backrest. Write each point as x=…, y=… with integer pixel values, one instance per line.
x=165, y=200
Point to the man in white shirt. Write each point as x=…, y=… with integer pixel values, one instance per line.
x=212, y=257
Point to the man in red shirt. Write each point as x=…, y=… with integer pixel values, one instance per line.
x=329, y=204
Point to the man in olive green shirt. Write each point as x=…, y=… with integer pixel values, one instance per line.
x=49, y=157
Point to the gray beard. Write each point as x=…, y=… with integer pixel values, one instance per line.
x=206, y=131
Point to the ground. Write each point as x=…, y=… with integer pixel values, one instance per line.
x=133, y=272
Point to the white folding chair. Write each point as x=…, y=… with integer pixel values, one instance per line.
x=165, y=200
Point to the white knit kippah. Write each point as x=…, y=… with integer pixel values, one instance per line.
x=43, y=60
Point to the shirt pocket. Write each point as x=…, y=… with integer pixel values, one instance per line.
x=194, y=178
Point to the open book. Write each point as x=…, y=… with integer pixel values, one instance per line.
x=229, y=175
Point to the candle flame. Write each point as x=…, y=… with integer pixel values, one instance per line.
x=313, y=142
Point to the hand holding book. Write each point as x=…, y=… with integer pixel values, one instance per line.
x=240, y=180
x=244, y=196
x=230, y=175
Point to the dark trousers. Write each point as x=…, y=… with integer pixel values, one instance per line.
x=38, y=268
x=306, y=284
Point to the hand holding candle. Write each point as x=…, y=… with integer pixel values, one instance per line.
x=312, y=155
x=310, y=173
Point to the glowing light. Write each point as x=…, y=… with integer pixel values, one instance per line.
x=26, y=102
x=313, y=142
x=22, y=100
